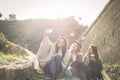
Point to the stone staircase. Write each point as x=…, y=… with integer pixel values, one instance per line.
x=41, y=76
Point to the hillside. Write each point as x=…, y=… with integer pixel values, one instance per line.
x=29, y=33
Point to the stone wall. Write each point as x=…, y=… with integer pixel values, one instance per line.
x=105, y=33
x=17, y=71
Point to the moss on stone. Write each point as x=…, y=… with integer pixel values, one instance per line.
x=9, y=57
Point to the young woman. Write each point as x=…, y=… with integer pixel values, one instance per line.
x=50, y=56
x=76, y=60
x=93, y=62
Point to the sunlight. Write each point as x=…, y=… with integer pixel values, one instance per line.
x=50, y=12
x=54, y=9
x=59, y=11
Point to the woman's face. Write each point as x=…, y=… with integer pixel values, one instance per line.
x=61, y=43
x=90, y=49
x=75, y=47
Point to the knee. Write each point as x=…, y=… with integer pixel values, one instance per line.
x=58, y=60
x=58, y=57
x=53, y=62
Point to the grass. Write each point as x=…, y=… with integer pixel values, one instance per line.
x=9, y=57
x=107, y=65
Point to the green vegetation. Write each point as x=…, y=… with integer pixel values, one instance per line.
x=9, y=57
x=29, y=33
x=107, y=65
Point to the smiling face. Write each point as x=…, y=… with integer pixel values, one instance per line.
x=90, y=49
x=61, y=43
x=75, y=47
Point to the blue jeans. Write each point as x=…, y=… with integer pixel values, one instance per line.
x=54, y=67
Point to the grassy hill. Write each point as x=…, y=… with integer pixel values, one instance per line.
x=29, y=33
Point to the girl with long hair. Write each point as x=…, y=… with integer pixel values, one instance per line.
x=50, y=55
x=93, y=61
x=76, y=61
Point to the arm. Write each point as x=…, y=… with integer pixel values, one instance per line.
x=85, y=58
x=66, y=60
x=49, y=55
x=45, y=47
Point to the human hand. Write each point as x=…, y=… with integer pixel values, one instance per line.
x=69, y=68
x=48, y=30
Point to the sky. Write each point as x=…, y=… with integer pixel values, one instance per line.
x=87, y=10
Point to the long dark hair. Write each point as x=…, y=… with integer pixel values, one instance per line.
x=64, y=49
x=95, y=52
x=97, y=58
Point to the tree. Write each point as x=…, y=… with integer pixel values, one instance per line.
x=12, y=17
x=0, y=15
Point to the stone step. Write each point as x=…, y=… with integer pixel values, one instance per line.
x=41, y=76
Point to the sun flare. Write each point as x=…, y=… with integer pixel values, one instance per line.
x=53, y=9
